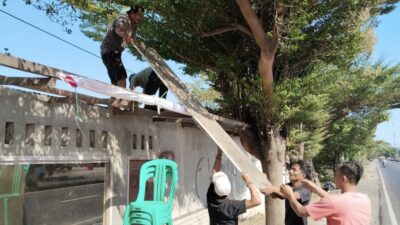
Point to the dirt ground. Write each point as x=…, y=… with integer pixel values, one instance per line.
x=259, y=219
x=254, y=220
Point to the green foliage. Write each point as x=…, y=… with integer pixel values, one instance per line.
x=382, y=148
x=351, y=138
x=207, y=96
x=327, y=96
x=358, y=98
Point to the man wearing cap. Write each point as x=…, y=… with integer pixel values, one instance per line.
x=221, y=209
x=120, y=35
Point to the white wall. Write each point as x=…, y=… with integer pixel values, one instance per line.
x=194, y=150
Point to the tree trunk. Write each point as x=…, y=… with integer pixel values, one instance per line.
x=265, y=65
x=296, y=154
x=301, y=151
x=314, y=174
x=273, y=162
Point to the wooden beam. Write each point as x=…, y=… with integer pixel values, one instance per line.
x=28, y=66
x=118, y=103
x=27, y=81
x=36, y=68
x=163, y=116
x=53, y=99
x=170, y=119
x=230, y=122
x=232, y=130
x=203, y=118
x=88, y=99
x=170, y=114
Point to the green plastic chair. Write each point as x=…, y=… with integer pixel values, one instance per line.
x=19, y=174
x=156, y=211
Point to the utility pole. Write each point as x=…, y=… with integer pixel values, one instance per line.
x=394, y=140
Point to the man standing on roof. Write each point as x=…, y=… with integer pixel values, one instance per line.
x=150, y=82
x=221, y=209
x=120, y=35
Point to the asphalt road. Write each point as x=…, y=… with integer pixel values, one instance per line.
x=391, y=181
x=81, y=205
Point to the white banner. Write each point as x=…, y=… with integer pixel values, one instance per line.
x=119, y=93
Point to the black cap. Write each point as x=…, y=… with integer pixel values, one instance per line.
x=135, y=9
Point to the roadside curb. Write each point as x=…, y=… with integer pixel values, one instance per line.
x=370, y=185
x=385, y=197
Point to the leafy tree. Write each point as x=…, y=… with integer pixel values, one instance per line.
x=385, y=149
x=273, y=62
x=358, y=100
x=201, y=89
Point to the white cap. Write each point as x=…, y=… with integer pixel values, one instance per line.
x=222, y=186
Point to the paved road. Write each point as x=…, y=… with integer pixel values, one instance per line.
x=391, y=178
x=66, y=206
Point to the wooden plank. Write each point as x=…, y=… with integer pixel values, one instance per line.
x=190, y=122
x=36, y=68
x=230, y=122
x=70, y=97
x=28, y=66
x=206, y=120
x=118, y=103
x=88, y=99
x=27, y=81
x=53, y=100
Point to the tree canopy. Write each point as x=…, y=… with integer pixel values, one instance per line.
x=321, y=73
x=297, y=71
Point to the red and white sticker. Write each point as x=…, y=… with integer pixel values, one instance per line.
x=70, y=80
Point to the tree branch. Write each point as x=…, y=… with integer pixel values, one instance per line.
x=395, y=106
x=232, y=27
x=268, y=45
x=254, y=23
x=249, y=142
x=275, y=38
x=190, y=60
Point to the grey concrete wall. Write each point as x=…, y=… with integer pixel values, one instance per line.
x=194, y=151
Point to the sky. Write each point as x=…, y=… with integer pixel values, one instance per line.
x=26, y=42
x=388, y=47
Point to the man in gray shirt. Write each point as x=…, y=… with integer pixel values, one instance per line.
x=150, y=82
x=120, y=35
x=298, y=172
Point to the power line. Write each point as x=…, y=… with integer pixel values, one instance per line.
x=55, y=36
